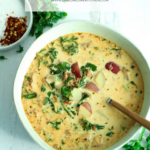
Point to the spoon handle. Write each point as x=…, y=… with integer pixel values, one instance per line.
x=142, y=121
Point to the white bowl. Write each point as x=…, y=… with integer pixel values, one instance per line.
x=89, y=27
x=18, y=6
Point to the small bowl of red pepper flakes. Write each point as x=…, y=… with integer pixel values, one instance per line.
x=16, y=30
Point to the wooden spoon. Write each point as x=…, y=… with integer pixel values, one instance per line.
x=142, y=121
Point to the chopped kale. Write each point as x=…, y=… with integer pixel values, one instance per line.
x=49, y=140
x=45, y=63
x=28, y=78
x=71, y=49
x=39, y=64
x=136, y=74
x=89, y=126
x=67, y=110
x=30, y=96
x=52, y=53
x=91, y=66
x=52, y=43
x=54, y=69
x=43, y=89
x=64, y=66
x=122, y=127
x=84, y=96
x=132, y=82
x=116, y=49
x=109, y=133
x=72, y=39
x=63, y=143
x=52, y=85
x=55, y=124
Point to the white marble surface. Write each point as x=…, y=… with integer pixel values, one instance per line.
x=134, y=24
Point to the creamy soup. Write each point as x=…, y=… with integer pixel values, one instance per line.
x=66, y=87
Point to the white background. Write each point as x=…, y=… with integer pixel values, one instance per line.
x=131, y=19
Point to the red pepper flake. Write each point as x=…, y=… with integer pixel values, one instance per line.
x=67, y=102
x=94, y=128
x=6, y=14
x=104, y=106
x=15, y=29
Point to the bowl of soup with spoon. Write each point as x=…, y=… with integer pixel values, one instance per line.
x=65, y=79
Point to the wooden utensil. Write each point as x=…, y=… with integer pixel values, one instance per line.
x=142, y=121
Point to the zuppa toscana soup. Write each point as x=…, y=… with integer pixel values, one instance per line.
x=66, y=87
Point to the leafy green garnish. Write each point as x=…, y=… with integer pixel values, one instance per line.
x=63, y=40
x=116, y=49
x=44, y=19
x=28, y=78
x=84, y=96
x=30, y=96
x=103, y=39
x=55, y=124
x=39, y=64
x=20, y=49
x=71, y=49
x=49, y=140
x=96, y=47
x=122, y=127
x=91, y=66
x=64, y=66
x=45, y=63
x=54, y=69
x=89, y=126
x=63, y=142
x=136, y=74
x=59, y=68
x=52, y=85
x=125, y=88
x=2, y=58
x=136, y=144
x=132, y=82
x=52, y=53
x=43, y=89
x=110, y=133
x=67, y=110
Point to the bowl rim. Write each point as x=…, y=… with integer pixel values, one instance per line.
x=90, y=22
x=7, y=47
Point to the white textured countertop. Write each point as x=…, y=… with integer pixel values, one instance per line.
x=134, y=24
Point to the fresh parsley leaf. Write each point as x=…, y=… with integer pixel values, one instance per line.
x=20, y=49
x=2, y=58
x=30, y=96
x=43, y=19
